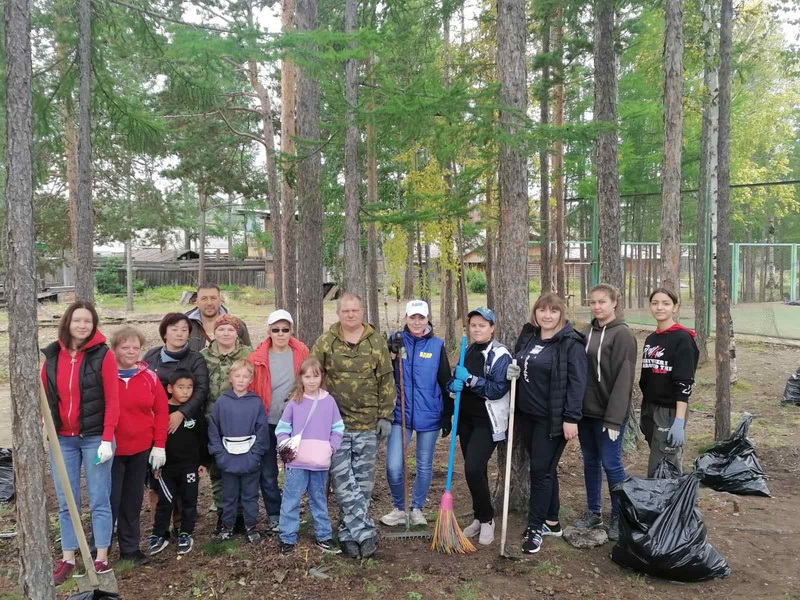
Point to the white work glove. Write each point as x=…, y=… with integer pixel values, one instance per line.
x=104, y=453
x=383, y=428
x=613, y=434
x=513, y=372
x=158, y=456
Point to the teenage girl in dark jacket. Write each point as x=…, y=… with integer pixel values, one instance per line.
x=551, y=367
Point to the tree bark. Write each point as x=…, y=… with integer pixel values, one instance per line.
x=372, y=229
x=544, y=164
x=606, y=157
x=201, y=250
x=558, y=160
x=129, y=275
x=408, y=280
x=722, y=415
x=353, y=276
x=84, y=257
x=309, y=190
x=491, y=232
x=67, y=112
x=671, y=164
x=33, y=537
x=286, y=221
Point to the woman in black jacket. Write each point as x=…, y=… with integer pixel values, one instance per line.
x=552, y=371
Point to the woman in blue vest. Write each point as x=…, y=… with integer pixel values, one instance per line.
x=429, y=408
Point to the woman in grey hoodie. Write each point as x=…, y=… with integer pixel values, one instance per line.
x=611, y=352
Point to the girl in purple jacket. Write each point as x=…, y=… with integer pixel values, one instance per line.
x=313, y=417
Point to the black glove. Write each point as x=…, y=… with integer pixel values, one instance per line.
x=447, y=427
x=395, y=343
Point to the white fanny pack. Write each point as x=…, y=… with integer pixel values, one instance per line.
x=238, y=445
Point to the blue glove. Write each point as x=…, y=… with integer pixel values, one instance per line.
x=462, y=374
x=456, y=385
x=676, y=435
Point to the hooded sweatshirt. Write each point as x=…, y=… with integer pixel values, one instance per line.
x=143, y=413
x=611, y=350
x=235, y=417
x=321, y=434
x=71, y=376
x=262, y=376
x=669, y=362
x=198, y=339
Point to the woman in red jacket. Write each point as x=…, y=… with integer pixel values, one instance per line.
x=80, y=380
x=276, y=363
x=141, y=437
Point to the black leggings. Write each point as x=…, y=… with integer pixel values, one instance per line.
x=477, y=446
x=545, y=452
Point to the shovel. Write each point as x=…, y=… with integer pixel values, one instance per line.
x=99, y=586
x=507, y=482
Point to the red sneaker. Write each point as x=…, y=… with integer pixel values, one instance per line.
x=102, y=566
x=62, y=571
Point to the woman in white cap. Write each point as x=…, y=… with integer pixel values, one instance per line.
x=483, y=416
x=428, y=408
x=276, y=362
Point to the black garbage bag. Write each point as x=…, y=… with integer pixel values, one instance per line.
x=94, y=595
x=791, y=394
x=661, y=531
x=6, y=475
x=666, y=469
x=732, y=465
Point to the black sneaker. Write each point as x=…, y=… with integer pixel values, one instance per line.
x=225, y=534
x=532, y=543
x=552, y=530
x=286, y=549
x=369, y=547
x=185, y=543
x=351, y=549
x=253, y=536
x=613, y=528
x=589, y=520
x=138, y=558
x=527, y=532
x=328, y=546
x=272, y=528
x=156, y=544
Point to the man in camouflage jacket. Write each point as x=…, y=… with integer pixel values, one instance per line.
x=359, y=376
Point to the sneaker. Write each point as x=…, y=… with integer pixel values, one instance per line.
x=487, y=533
x=528, y=530
x=185, y=543
x=286, y=549
x=417, y=518
x=62, y=571
x=552, y=530
x=156, y=544
x=253, y=535
x=589, y=520
x=613, y=528
x=329, y=546
x=102, y=566
x=532, y=543
x=226, y=533
x=472, y=529
x=351, y=549
x=394, y=518
x=369, y=546
x=273, y=526
x=139, y=558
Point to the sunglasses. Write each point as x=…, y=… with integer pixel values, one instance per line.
x=280, y=330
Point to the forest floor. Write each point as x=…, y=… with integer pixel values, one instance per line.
x=758, y=536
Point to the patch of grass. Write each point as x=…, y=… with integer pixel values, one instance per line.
x=69, y=586
x=198, y=579
x=220, y=548
x=742, y=386
x=415, y=577
x=121, y=567
x=547, y=568
x=414, y=596
x=702, y=407
x=369, y=563
x=468, y=592
x=638, y=580
x=372, y=589
x=10, y=597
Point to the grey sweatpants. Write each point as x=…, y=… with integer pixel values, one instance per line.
x=656, y=422
x=353, y=479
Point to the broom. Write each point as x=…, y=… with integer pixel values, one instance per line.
x=447, y=535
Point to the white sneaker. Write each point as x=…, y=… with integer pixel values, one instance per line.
x=417, y=518
x=487, y=533
x=472, y=529
x=394, y=518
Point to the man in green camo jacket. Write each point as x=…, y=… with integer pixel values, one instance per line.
x=360, y=377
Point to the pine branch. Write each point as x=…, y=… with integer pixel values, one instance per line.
x=243, y=134
x=157, y=15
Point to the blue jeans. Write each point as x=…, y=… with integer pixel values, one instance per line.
x=598, y=450
x=269, y=478
x=295, y=483
x=79, y=451
x=426, y=444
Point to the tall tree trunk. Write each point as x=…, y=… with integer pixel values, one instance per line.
x=511, y=291
x=544, y=164
x=201, y=249
x=33, y=537
x=372, y=228
x=559, y=191
x=722, y=415
x=408, y=280
x=84, y=257
x=427, y=273
x=671, y=165
x=491, y=232
x=67, y=111
x=229, y=227
x=772, y=279
x=447, y=321
x=606, y=158
x=129, y=275
x=286, y=220
x=353, y=281
x=309, y=190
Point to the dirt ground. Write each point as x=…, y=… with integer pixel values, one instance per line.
x=758, y=536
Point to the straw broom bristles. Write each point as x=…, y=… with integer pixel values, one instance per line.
x=447, y=535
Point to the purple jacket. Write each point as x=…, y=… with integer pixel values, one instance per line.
x=321, y=437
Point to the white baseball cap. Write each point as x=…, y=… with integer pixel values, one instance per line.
x=417, y=307
x=280, y=315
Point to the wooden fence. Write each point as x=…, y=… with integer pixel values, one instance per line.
x=254, y=273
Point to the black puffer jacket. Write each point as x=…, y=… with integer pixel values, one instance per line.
x=192, y=361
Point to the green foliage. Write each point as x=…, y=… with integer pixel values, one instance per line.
x=476, y=281
x=239, y=252
x=107, y=277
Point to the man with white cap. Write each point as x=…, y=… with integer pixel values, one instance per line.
x=276, y=362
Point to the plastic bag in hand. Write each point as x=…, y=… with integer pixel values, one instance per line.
x=6, y=475
x=791, y=394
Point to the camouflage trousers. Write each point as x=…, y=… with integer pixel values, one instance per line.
x=353, y=479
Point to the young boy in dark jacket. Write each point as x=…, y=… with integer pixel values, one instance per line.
x=179, y=478
x=238, y=437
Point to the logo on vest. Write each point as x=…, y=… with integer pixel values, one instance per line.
x=189, y=423
x=426, y=355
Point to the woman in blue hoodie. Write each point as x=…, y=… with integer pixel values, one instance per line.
x=428, y=408
x=552, y=372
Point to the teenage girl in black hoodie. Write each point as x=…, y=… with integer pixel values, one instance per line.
x=669, y=362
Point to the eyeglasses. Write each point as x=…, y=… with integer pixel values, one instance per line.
x=280, y=330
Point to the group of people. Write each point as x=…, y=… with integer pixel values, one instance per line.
x=206, y=402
